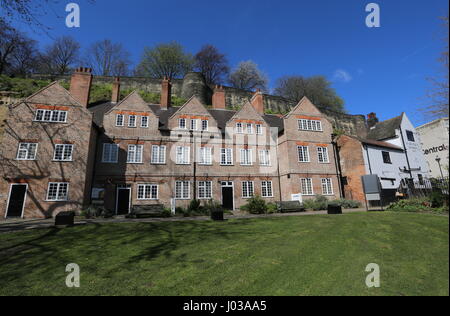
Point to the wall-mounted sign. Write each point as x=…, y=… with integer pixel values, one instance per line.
x=297, y=197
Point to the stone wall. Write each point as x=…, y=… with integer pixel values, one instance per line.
x=194, y=84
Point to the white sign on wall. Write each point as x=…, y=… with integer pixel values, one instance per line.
x=297, y=197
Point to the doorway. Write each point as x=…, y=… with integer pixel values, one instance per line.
x=228, y=195
x=16, y=201
x=123, y=202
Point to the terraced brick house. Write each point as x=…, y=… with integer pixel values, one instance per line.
x=60, y=153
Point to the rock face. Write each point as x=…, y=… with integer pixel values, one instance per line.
x=194, y=84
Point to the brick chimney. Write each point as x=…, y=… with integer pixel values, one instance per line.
x=372, y=119
x=166, y=93
x=258, y=102
x=218, y=98
x=116, y=90
x=80, y=85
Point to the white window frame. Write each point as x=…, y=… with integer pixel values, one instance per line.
x=132, y=121
x=327, y=186
x=310, y=125
x=122, y=120
x=183, y=155
x=239, y=128
x=268, y=187
x=249, y=128
x=259, y=129
x=204, y=190
x=193, y=125
x=64, y=146
x=145, y=188
x=308, y=184
x=248, y=158
x=113, y=156
x=182, y=190
x=135, y=149
x=322, y=155
x=27, y=151
x=246, y=189
x=50, y=114
x=205, y=125
x=264, y=158
x=205, y=155
x=182, y=126
x=58, y=191
x=226, y=157
x=305, y=154
x=144, y=121
x=158, y=152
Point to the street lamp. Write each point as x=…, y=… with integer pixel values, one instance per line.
x=438, y=160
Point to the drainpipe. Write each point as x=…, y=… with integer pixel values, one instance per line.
x=368, y=158
x=406, y=154
x=337, y=162
x=278, y=172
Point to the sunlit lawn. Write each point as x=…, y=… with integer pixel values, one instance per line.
x=304, y=255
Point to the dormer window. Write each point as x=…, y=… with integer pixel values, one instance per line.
x=410, y=136
x=51, y=116
x=249, y=128
x=182, y=123
x=119, y=120
x=193, y=125
x=132, y=121
x=239, y=128
x=144, y=121
x=259, y=129
x=205, y=125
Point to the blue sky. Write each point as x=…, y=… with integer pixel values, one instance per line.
x=383, y=70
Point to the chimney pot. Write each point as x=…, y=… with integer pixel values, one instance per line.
x=80, y=85
x=166, y=93
x=115, y=98
x=218, y=98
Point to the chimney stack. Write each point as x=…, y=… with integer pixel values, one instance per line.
x=166, y=93
x=80, y=85
x=218, y=98
x=258, y=102
x=372, y=119
x=116, y=90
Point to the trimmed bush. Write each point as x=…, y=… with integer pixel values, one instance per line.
x=255, y=205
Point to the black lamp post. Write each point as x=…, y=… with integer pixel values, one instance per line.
x=438, y=160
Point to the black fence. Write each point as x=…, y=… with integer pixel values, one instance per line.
x=424, y=187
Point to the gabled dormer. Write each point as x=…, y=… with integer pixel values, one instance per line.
x=193, y=116
x=247, y=121
x=305, y=121
x=132, y=113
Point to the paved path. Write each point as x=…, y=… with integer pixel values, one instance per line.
x=10, y=225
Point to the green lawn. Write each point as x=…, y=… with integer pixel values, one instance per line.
x=304, y=255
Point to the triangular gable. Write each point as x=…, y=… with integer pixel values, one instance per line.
x=192, y=106
x=132, y=102
x=53, y=94
x=305, y=106
x=247, y=112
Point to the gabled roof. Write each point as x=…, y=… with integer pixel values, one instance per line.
x=386, y=129
x=375, y=143
x=53, y=94
x=133, y=101
x=304, y=102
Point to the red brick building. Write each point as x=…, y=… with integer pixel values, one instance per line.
x=59, y=153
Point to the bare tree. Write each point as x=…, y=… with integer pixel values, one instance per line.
x=212, y=64
x=24, y=59
x=165, y=60
x=60, y=57
x=317, y=88
x=247, y=76
x=108, y=59
x=438, y=94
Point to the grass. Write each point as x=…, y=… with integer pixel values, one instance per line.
x=304, y=255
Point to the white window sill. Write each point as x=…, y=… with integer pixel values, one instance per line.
x=62, y=160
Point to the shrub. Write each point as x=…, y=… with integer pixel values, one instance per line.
x=438, y=199
x=212, y=206
x=272, y=208
x=255, y=205
x=319, y=203
x=194, y=206
x=410, y=205
x=347, y=203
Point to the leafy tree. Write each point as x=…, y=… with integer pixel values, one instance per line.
x=108, y=59
x=212, y=64
x=60, y=57
x=247, y=76
x=165, y=60
x=317, y=88
x=438, y=94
